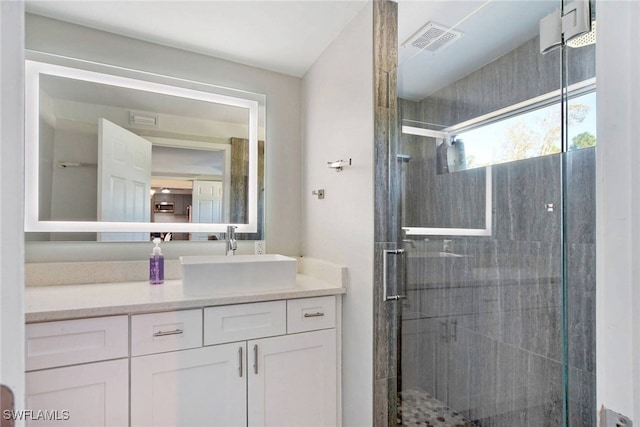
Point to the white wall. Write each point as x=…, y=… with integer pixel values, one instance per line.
x=338, y=124
x=283, y=132
x=11, y=214
x=618, y=215
x=74, y=191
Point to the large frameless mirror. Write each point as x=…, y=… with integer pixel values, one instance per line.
x=111, y=157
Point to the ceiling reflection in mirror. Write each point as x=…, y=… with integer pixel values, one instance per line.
x=109, y=155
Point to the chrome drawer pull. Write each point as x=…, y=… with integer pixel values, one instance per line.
x=255, y=359
x=318, y=314
x=165, y=333
x=240, y=361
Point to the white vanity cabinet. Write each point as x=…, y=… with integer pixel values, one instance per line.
x=198, y=387
x=176, y=381
x=293, y=382
x=248, y=373
x=293, y=378
x=78, y=372
x=271, y=363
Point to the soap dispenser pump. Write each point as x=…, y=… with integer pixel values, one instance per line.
x=156, y=265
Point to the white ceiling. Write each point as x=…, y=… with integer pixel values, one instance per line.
x=282, y=36
x=491, y=29
x=288, y=36
x=99, y=94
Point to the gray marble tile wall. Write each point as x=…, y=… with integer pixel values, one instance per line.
x=506, y=81
x=521, y=213
x=518, y=76
x=482, y=332
x=424, y=205
x=581, y=277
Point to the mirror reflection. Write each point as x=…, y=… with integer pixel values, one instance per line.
x=113, y=154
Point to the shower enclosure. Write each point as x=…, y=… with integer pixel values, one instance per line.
x=489, y=282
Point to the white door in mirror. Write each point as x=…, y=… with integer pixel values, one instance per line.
x=124, y=179
x=207, y=205
x=207, y=201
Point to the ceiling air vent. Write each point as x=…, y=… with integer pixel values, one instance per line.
x=432, y=37
x=144, y=119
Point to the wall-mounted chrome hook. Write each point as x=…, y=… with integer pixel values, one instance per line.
x=319, y=193
x=338, y=165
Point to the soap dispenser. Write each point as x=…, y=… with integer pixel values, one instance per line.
x=156, y=265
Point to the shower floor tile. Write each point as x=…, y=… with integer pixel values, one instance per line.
x=418, y=408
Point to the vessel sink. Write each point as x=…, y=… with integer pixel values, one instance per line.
x=217, y=275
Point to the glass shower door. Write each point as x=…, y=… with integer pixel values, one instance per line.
x=496, y=264
x=579, y=226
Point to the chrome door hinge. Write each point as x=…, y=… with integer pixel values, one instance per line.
x=609, y=418
x=558, y=28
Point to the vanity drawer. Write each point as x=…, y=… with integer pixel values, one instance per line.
x=162, y=332
x=240, y=322
x=309, y=314
x=69, y=342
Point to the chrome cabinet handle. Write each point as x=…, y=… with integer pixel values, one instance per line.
x=255, y=359
x=386, y=252
x=318, y=314
x=165, y=333
x=240, y=361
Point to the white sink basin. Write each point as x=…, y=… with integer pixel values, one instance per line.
x=215, y=275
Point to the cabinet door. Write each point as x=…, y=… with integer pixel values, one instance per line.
x=95, y=394
x=294, y=383
x=200, y=387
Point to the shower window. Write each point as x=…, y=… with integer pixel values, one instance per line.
x=522, y=131
x=526, y=130
x=530, y=134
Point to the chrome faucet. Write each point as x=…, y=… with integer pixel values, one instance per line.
x=232, y=244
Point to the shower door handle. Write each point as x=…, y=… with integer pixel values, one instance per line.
x=385, y=255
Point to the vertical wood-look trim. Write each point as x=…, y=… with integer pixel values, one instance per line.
x=386, y=207
x=240, y=184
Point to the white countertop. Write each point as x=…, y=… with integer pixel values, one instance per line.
x=60, y=302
